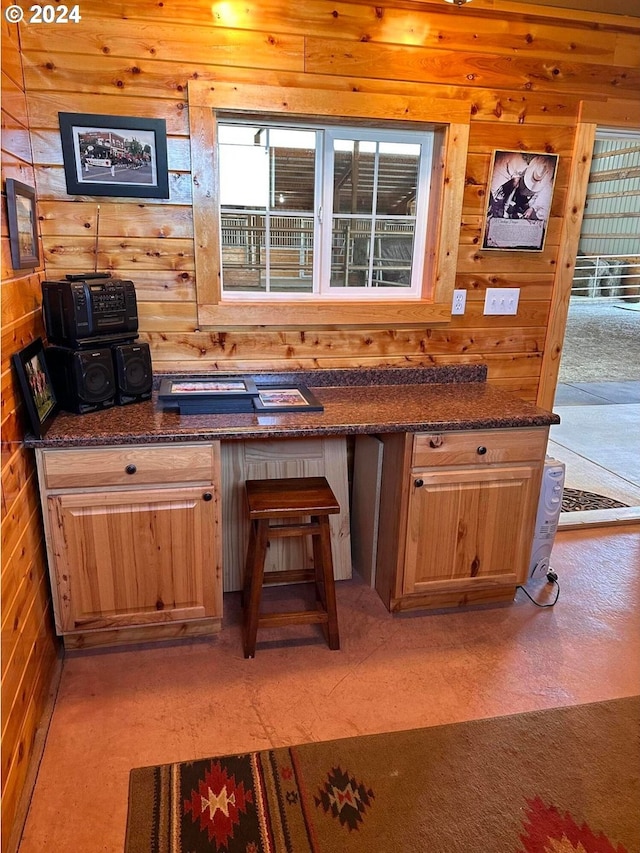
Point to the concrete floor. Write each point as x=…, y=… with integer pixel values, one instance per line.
x=116, y=710
x=598, y=399
x=597, y=440
x=602, y=341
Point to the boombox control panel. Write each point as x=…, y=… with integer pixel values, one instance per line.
x=108, y=299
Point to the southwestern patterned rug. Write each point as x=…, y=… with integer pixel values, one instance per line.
x=565, y=780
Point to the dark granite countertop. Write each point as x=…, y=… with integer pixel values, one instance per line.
x=355, y=401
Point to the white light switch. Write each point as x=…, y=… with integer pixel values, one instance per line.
x=501, y=300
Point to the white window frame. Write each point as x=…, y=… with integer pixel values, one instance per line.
x=425, y=140
x=323, y=214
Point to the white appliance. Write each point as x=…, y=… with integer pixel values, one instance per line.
x=547, y=518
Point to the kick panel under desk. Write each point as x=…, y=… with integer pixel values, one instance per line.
x=144, y=515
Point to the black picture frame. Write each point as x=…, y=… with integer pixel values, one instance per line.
x=38, y=394
x=22, y=219
x=106, y=155
x=285, y=398
x=181, y=389
x=211, y=395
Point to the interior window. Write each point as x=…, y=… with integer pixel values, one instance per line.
x=313, y=208
x=313, y=211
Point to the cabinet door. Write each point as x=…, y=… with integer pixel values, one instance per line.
x=135, y=557
x=469, y=528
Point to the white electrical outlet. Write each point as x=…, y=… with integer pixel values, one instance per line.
x=501, y=300
x=459, y=301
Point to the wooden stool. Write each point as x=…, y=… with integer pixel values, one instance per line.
x=273, y=500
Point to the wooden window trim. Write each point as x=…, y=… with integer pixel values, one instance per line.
x=451, y=120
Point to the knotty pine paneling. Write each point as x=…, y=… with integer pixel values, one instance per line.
x=118, y=253
x=523, y=71
x=160, y=78
x=427, y=24
x=44, y=109
x=154, y=40
x=29, y=647
x=14, y=102
x=113, y=220
x=498, y=346
x=420, y=64
x=11, y=58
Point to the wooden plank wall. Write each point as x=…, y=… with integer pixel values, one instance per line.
x=28, y=641
x=524, y=76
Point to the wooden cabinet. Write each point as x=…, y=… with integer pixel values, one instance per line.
x=457, y=515
x=134, y=541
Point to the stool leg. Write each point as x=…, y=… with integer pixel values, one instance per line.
x=248, y=566
x=325, y=583
x=254, y=572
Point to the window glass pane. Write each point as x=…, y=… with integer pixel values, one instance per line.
x=292, y=155
x=397, y=178
x=350, y=251
x=244, y=167
x=243, y=256
x=393, y=253
x=291, y=254
x=353, y=179
x=267, y=187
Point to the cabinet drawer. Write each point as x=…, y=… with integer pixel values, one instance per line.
x=477, y=447
x=127, y=466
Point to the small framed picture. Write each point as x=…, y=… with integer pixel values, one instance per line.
x=208, y=395
x=114, y=155
x=286, y=398
x=37, y=389
x=227, y=386
x=23, y=225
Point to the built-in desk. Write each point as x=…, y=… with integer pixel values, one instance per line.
x=144, y=520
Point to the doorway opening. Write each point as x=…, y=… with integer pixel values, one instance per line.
x=598, y=393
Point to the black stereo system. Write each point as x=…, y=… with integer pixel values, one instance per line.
x=93, y=358
x=83, y=310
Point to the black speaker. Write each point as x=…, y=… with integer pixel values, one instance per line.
x=83, y=380
x=134, y=377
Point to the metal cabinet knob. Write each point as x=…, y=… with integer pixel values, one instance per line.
x=418, y=483
x=207, y=496
x=482, y=450
x=131, y=469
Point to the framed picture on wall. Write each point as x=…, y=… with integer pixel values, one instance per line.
x=35, y=383
x=23, y=225
x=519, y=200
x=114, y=155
